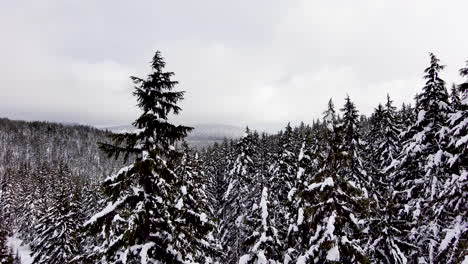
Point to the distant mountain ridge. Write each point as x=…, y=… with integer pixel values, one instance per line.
x=202, y=135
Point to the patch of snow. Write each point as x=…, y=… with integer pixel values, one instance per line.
x=300, y=216
x=261, y=259
x=121, y=171
x=462, y=141
x=144, y=252
x=291, y=194
x=179, y=204
x=183, y=189
x=203, y=217
x=264, y=206
x=107, y=210
x=452, y=233
x=300, y=173
x=23, y=250
x=333, y=254
x=244, y=259
x=465, y=261
x=228, y=190
x=421, y=115
x=301, y=153
x=327, y=182
x=301, y=260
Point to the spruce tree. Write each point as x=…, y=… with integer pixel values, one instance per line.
x=216, y=163
x=353, y=147
x=239, y=198
x=418, y=171
x=193, y=204
x=335, y=201
x=142, y=221
x=57, y=238
x=455, y=99
x=283, y=180
x=298, y=233
x=386, y=239
x=407, y=117
x=263, y=244
x=452, y=206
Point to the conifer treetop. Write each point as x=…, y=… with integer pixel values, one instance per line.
x=157, y=100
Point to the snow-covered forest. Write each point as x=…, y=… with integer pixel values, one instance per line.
x=348, y=188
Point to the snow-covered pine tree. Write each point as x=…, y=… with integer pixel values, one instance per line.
x=353, y=147
x=31, y=189
x=193, y=204
x=298, y=232
x=375, y=140
x=384, y=139
x=335, y=199
x=407, y=116
x=452, y=206
x=89, y=198
x=7, y=199
x=138, y=224
x=216, y=163
x=238, y=198
x=418, y=172
x=283, y=179
x=57, y=230
x=455, y=99
x=391, y=144
x=263, y=243
x=386, y=239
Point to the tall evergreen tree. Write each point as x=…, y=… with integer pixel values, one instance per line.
x=295, y=243
x=387, y=234
x=57, y=238
x=263, y=240
x=217, y=163
x=407, y=116
x=239, y=198
x=335, y=202
x=353, y=147
x=452, y=205
x=284, y=171
x=193, y=204
x=142, y=221
x=418, y=172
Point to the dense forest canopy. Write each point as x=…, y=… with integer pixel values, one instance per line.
x=348, y=188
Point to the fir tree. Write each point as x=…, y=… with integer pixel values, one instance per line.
x=451, y=208
x=407, y=116
x=216, y=163
x=193, y=204
x=56, y=241
x=283, y=179
x=263, y=240
x=238, y=198
x=335, y=203
x=142, y=221
x=418, y=173
x=387, y=234
x=298, y=232
x=353, y=147
x=455, y=100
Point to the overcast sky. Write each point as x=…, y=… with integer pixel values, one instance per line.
x=241, y=62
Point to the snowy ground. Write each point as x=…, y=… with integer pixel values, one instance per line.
x=23, y=250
